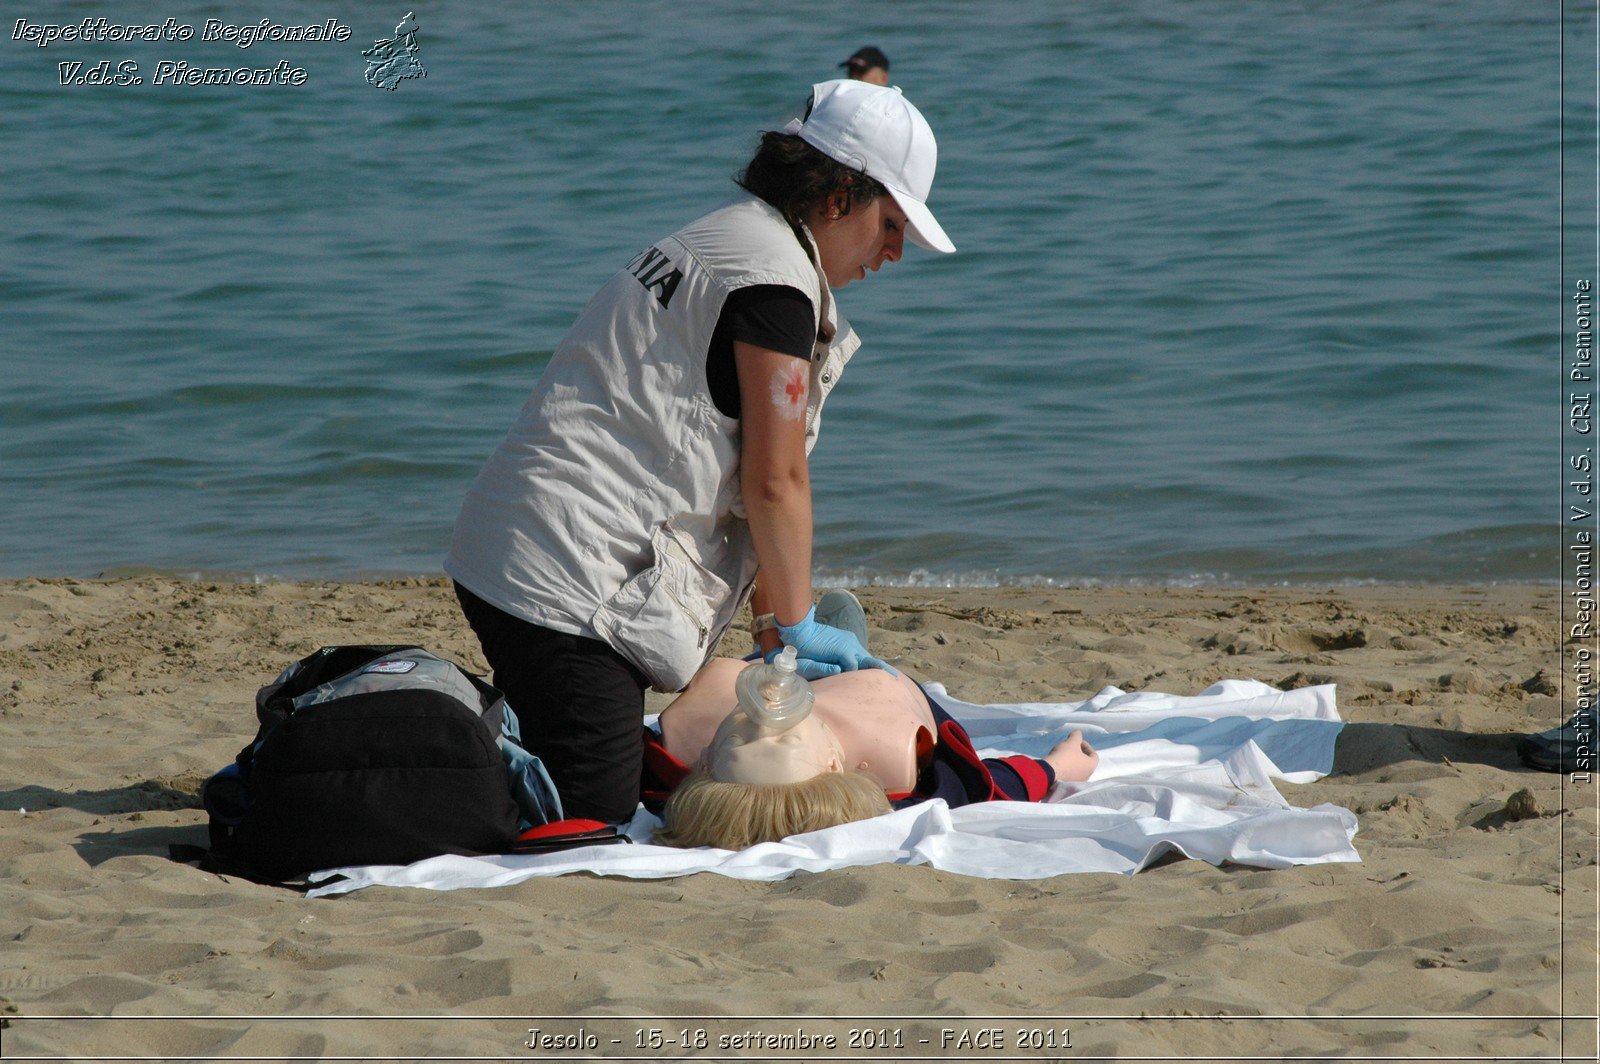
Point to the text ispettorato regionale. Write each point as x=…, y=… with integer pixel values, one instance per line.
x=244, y=35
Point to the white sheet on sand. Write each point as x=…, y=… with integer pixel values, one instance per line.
x=1185, y=773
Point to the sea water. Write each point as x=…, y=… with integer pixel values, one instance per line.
x=1244, y=292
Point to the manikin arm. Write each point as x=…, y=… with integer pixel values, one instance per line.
x=1073, y=759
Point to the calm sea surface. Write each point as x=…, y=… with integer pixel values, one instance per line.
x=1246, y=292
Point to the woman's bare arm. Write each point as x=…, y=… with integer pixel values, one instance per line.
x=774, y=476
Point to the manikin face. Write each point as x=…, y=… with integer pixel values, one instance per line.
x=743, y=751
x=851, y=244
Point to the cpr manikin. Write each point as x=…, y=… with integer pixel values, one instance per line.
x=754, y=754
x=783, y=732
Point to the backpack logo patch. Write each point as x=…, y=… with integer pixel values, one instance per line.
x=390, y=668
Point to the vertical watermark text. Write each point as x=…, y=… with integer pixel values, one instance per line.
x=1579, y=526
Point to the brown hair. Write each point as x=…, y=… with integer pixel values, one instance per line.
x=731, y=816
x=794, y=177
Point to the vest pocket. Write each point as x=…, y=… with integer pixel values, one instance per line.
x=662, y=618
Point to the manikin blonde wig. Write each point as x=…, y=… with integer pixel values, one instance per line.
x=731, y=816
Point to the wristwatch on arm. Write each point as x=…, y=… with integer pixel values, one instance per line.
x=759, y=629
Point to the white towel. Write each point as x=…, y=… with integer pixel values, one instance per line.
x=1186, y=773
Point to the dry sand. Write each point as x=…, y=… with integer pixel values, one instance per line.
x=118, y=697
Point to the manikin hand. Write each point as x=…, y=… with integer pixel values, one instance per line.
x=1073, y=759
x=824, y=650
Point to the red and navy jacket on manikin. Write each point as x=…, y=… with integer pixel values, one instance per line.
x=959, y=776
x=955, y=772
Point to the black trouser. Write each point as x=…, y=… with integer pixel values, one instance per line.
x=580, y=704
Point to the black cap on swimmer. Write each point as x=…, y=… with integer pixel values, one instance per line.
x=865, y=59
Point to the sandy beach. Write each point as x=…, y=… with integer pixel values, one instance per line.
x=117, y=698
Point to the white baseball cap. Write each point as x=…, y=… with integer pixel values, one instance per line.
x=877, y=131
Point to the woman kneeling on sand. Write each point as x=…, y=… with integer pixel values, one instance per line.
x=871, y=742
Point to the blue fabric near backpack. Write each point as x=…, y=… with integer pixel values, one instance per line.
x=531, y=787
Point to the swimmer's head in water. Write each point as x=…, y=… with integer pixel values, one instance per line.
x=868, y=64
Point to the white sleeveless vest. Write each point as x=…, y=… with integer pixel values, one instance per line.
x=612, y=508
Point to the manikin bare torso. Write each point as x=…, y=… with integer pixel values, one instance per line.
x=881, y=721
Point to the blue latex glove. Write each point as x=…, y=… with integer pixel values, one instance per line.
x=811, y=670
x=824, y=650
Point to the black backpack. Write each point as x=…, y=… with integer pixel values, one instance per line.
x=364, y=755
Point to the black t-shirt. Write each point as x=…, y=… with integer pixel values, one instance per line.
x=774, y=316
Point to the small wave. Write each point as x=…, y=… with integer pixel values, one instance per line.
x=215, y=292
x=927, y=578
